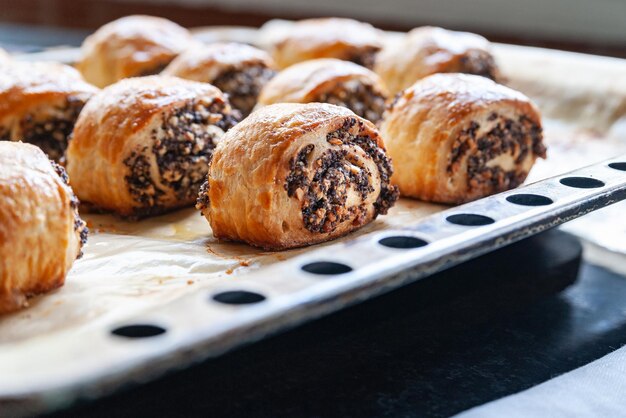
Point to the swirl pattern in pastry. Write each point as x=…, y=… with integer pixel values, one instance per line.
x=141, y=146
x=291, y=175
x=457, y=137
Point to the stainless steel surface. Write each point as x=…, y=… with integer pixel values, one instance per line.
x=198, y=326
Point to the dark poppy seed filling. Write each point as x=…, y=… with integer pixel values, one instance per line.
x=297, y=178
x=365, y=57
x=140, y=183
x=324, y=205
x=51, y=134
x=388, y=194
x=203, y=197
x=479, y=62
x=243, y=86
x=79, y=225
x=324, y=194
x=363, y=99
x=512, y=137
x=182, y=147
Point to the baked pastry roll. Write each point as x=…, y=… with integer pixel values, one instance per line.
x=142, y=145
x=292, y=174
x=329, y=80
x=131, y=46
x=456, y=137
x=428, y=50
x=345, y=39
x=39, y=103
x=239, y=70
x=41, y=233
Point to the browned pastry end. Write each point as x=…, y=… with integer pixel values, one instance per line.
x=457, y=137
x=131, y=46
x=239, y=70
x=332, y=37
x=41, y=233
x=329, y=80
x=142, y=145
x=39, y=103
x=428, y=50
x=292, y=174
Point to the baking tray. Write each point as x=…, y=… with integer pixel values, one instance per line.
x=160, y=294
x=227, y=313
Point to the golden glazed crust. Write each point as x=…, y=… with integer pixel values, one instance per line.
x=36, y=93
x=306, y=81
x=325, y=79
x=239, y=70
x=456, y=137
x=296, y=174
x=131, y=46
x=428, y=50
x=207, y=62
x=345, y=39
x=140, y=143
x=40, y=232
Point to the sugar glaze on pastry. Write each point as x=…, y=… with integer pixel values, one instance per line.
x=457, y=137
x=331, y=37
x=41, y=233
x=329, y=80
x=141, y=146
x=428, y=50
x=291, y=175
x=131, y=46
x=39, y=103
x=239, y=70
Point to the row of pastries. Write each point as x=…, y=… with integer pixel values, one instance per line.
x=295, y=144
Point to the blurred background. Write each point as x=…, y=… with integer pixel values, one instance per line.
x=597, y=26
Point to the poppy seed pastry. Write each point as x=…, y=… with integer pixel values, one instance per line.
x=142, y=145
x=428, y=50
x=457, y=137
x=292, y=174
x=239, y=70
x=329, y=80
x=330, y=37
x=131, y=46
x=41, y=233
x=39, y=103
